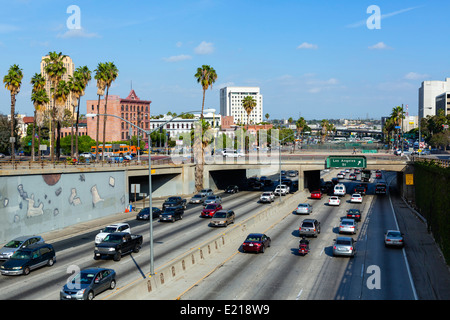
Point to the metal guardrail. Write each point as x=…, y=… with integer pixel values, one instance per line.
x=444, y=163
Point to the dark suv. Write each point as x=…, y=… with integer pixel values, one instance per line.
x=309, y=227
x=26, y=259
x=171, y=214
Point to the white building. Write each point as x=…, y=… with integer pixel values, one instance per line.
x=231, y=104
x=427, y=96
x=443, y=103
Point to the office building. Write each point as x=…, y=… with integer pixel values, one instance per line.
x=427, y=96
x=443, y=103
x=231, y=104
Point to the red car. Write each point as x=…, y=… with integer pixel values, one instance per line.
x=378, y=174
x=316, y=194
x=210, y=209
x=256, y=242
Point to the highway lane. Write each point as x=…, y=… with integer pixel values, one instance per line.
x=280, y=274
x=170, y=239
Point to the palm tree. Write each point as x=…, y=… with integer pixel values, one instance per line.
x=60, y=95
x=111, y=74
x=206, y=76
x=248, y=103
x=100, y=76
x=13, y=81
x=325, y=124
x=55, y=70
x=39, y=98
x=82, y=74
x=397, y=116
x=267, y=116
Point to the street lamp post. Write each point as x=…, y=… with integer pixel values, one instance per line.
x=148, y=132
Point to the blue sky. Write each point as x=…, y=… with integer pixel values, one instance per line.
x=316, y=59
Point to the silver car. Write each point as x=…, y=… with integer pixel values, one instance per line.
x=198, y=198
x=18, y=243
x=393, y=238
x=344, y=246
x=304, y=208
x=347, y=226
x=212, y=199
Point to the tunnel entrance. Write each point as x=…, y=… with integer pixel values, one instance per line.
x=311, y=180
x=161, y=185
x=220, y=179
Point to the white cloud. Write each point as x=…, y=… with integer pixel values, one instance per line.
x=204, y=48
x=379, y=46
x=415, y=76
x=77, y=33
x=306, y=45
x=178, y=58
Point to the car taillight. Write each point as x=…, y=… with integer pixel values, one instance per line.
x=334, y=247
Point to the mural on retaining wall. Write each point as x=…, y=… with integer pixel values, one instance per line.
x=35, y=204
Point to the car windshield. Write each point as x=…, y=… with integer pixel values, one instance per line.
x=394, y=234
x=253, y=238
x=353, y=211
x=307, y=225
x=343, y=242
x=220, y=214
x=211, y=206
x=21, y=255
x=13, y=244
x=114, y=238
x=169, y=210
x=211, y=198
x=197, y=196
x=172, y=199
x=83, y=278
x=266, y=194
x=347, y=223
x=144, y=211
x=109, y=229
x=303, y=205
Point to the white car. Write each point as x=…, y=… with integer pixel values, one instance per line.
x=267, y=197
x=118, y=227
x=87, y=155
x=340, y=175
x=281, y=189
x=304, y=208
x=356, y=198
x=340, y=190
x=334, y=201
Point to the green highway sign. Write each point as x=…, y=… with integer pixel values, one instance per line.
x=346, y=162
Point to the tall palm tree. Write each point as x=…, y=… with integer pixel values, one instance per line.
x=325, y=124
x=111, y=73
x=83, y=74
x=13, y=81
x=397, y=116
x=60, y=95
x=39, y=98
x=206, y=76
x=100, y=76
x=55, y=70
x=248, y=103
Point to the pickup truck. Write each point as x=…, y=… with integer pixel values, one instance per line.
x=361, y=188
x=174, y=202
x=117, y=244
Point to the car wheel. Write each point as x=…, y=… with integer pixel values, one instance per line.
x=112, y=284
x=90, y=295
x=136, y=248
x=117, y=256
x=50, y=262
x=26, y=271
x=262, y=249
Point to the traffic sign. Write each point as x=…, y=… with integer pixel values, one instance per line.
x=346, y=162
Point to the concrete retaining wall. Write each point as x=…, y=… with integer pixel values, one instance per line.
x=140, y=289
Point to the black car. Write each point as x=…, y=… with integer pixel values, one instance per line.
x=354, y=214
x=380, y=188
x=144, y=214
x=232, y=189
x=26, y=259
x=171, y=214
x=265, y=180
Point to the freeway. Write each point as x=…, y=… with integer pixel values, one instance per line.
x=170, y=239
x=376, y=273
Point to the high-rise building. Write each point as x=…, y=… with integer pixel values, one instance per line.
x=231, y=104
x=427, y=96
x=70, y=68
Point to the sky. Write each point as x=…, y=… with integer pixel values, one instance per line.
x=312, y=59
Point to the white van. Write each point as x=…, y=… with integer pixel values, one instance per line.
x=281, y=189
x=339, y=190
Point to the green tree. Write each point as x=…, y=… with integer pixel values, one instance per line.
x=60, y=95
x=13, y=81
x=101, y=77
x=40, y=99
x=248, y=103
x=111, y=74
x=83, y=76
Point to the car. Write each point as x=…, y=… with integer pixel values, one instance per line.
x=378, y=174
x=229, y=153
x=144, y=214
x=2, y=155
x=356, y=198
x=212, y=199
x=340, y=175
x=361, y=188
x=26, y=259
x=309, y=227
x=340, y=190
x=357, y=171
x=352, y=176
x=380, y=188
x=268, y=196
x=174, y=201
x=232, y=189
x=197, y=198
x=210, y=210
x=18, y=243
x=304, y=208
x=317, y=194
x=222, y=218
x=334, y=201
x=171, y=214
x=256, y=242
x=117, y=244
x=118, y=227
x=281, y=189
x=344, y=246
x=265, y=180
x=206, y=192
x=292, y=173
x=87, y=155
x=88, y=283
x=393, y=238
x=347, y=226
x=354, y=214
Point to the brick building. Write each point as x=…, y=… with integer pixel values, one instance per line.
x=131, y=108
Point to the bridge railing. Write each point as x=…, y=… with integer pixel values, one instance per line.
x=444, y=163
